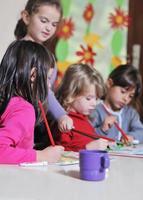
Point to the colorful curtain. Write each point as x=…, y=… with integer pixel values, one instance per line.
x=93, y=32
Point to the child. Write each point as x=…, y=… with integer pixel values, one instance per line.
x=78, y=97
x=39, y=22
x=123, y=86
x=23, y=81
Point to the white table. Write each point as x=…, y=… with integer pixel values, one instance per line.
x=124, y=181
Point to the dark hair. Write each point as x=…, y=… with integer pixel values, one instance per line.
x=127, y=76
x=15, y=73
x=32, y=7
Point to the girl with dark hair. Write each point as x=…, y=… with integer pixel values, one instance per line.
x=39, y=22
x=124, y=86
x=23, y=82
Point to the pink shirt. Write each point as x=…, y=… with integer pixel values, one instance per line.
x=17, y=132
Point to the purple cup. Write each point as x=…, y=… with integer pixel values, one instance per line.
x=93, y=164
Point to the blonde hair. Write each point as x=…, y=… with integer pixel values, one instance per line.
x=77, y=79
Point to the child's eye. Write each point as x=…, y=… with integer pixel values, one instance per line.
x=55, y=24
x=88, y=98
x=123, y=91
x=131, y=97
x=43, y=20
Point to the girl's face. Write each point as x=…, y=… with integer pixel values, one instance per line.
x=85, y=104
x=118, y=97
x=42, y=25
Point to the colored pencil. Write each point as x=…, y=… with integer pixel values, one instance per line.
x=121, y=131
x=46, y=123
x=118, y=127
x=95, y=136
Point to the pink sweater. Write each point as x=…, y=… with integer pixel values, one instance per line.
x=17, y=132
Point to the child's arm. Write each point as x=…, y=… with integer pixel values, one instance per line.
x=135, y=127
x=98, y=121
x=54, y=106
x=65, y=123
x=16, y=137
x=108, y=123
x=72, y=142
x=130, y=139
x=16, y=134
x=99, y=144
x=66, y=140
x=50, y=154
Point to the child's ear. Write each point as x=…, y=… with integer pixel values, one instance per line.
x=33, y=74
x=25, y=16
x=109, y=83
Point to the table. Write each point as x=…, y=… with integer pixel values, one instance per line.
x=124, y=181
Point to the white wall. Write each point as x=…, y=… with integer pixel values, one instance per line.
x=9, y=14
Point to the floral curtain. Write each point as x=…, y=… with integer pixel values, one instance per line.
x=93, y=32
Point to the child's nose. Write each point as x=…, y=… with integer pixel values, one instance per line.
x=48, y=27
x=126, y=98
x=94, y=102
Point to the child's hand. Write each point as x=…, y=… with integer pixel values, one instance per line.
x=50, y=154
x=65, y=123
x=108, y=122
x=99, y=144
x=130, y=140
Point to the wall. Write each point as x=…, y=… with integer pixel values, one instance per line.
x=9, y=14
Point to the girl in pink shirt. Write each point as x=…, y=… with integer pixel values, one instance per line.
x=23, y=82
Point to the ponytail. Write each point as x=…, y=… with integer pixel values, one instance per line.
x=20, y=29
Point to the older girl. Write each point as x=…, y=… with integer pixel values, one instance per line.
x=39, y=22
